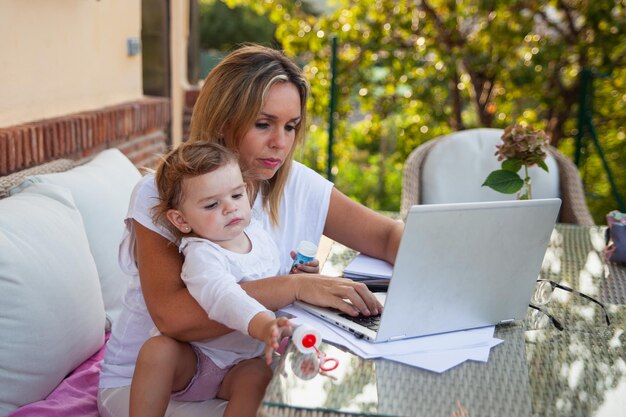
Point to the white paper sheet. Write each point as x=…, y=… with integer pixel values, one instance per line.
x=436, y=353
x=443, y=360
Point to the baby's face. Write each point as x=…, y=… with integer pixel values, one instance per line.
x=216, y=204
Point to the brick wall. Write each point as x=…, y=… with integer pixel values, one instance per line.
x=140, y=129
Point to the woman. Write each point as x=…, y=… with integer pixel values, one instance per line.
x=253, y=102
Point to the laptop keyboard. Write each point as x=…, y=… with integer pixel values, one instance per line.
x=371, y=322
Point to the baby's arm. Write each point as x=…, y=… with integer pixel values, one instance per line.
x=207, y=275
x=270, y=331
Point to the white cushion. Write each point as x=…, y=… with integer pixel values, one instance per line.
x=52, y=316
x=456, y=167
x=101, y=189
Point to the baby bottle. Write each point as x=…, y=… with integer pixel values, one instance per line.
x=305, y=252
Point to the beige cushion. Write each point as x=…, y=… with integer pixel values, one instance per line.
x=101, y=189
x=52, y=312
x=459, y=163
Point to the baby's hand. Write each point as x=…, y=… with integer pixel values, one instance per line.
x=273, y=333
x=311, y=267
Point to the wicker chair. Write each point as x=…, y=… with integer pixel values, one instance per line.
x=573, y=209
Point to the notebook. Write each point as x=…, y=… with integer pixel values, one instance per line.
x=459, y=266
x=366, y=268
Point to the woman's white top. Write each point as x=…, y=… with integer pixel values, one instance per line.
x=303, y=211
x=212, y=275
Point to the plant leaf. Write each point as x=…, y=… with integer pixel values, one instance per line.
x=542, y=164
x=504, y=181
x=512, y=165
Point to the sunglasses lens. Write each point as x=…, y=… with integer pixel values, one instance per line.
x=537, y=320
x=543, y=293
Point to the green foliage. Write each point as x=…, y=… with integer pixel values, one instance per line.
x=512, y=165
x=610, y=123
x=504, y=181
x=222, y=27
x=411, y=71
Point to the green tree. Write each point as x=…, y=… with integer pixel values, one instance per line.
x=222, y=27
x=413, y=70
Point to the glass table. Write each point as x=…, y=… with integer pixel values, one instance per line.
x=537, y=371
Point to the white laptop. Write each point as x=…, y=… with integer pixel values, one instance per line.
x=459, y=266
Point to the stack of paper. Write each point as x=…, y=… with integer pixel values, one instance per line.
x=436, y=353
x=364, y=267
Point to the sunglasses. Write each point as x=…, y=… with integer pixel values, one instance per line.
x=554, y=321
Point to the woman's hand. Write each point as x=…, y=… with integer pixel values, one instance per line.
x=343, y=294
x=310, y=267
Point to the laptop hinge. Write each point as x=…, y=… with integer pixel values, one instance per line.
x=507, y=321
x=392, y=338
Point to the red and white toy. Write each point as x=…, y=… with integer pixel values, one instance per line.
x=307, y=340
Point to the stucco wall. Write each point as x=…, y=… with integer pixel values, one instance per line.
x=179, y=39
x=64, y=56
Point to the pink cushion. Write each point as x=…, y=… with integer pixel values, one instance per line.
x=76, y=395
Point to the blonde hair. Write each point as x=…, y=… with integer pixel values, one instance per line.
x=187, y=160
x=232, y=97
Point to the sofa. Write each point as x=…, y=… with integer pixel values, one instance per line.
x=60, y=284
x=61, y=287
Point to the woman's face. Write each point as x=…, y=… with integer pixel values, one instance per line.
x=265, y=146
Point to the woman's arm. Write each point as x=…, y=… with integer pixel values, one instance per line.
x=174, y=311
x=277, y=292
x=177, y=314
x=353, y=225
x=361, y=228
